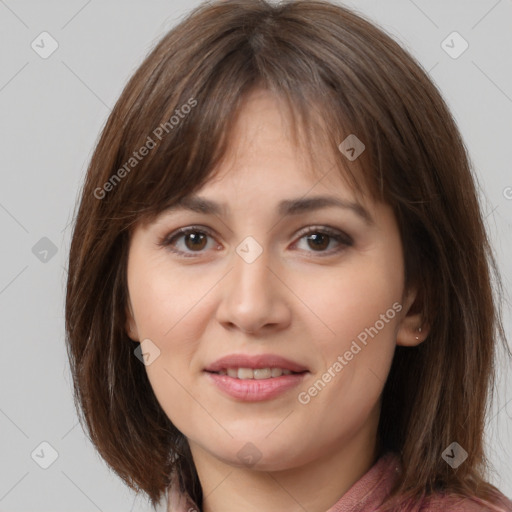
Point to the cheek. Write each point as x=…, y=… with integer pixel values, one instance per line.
x=350, y=300
x=165, y=300
x=163, y=307
x=360, y=304
x=171, y=389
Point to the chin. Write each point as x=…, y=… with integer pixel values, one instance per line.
x=259, y=455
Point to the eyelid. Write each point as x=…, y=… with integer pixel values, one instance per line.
x=326, y=229
x=166, y=240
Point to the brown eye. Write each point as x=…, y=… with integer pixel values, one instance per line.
x=187, y=241
x=195, y=240
x=319, y=238
x=319, y=241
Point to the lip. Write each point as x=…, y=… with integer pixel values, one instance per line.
x=255, y=361
x=255, y=390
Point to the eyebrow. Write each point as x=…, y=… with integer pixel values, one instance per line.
x=286, y=207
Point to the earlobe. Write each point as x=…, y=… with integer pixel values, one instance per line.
x=130, y=327
x=131, y=331
x=411, y=336
x=412, y=329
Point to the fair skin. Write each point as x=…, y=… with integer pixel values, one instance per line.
x=304, y=301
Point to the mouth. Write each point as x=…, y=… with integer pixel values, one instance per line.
x=253, y=378
x=255, y=373
x=260, y=366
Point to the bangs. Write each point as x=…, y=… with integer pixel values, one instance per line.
x=187, y=120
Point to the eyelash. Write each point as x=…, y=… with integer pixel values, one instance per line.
x=342, y=238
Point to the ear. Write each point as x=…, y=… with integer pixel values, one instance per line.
x=412, y=328
x=130, y=327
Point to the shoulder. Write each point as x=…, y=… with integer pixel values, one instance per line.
x=454, y=503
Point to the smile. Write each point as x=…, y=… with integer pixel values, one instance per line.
x=254, y=373
x=253, y=388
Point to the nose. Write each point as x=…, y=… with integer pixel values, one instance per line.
x=254, y=297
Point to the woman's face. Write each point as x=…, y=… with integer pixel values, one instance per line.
x=249, y=296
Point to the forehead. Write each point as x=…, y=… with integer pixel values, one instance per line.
x=262, y=128
x=263, y=153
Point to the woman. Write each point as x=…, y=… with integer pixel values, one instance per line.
x=279, y=289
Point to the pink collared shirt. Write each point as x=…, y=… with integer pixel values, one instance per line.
x=368, y=493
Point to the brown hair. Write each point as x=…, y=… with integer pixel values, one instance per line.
x=325, y=62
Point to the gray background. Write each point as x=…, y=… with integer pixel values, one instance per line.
x=52, y=111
